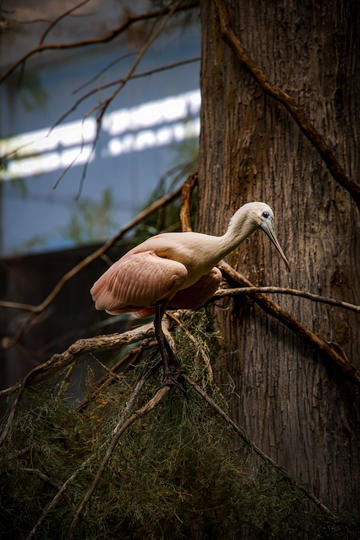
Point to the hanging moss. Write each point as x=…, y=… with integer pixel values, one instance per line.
x=175, y=473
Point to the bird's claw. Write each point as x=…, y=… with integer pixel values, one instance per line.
x=174, y=377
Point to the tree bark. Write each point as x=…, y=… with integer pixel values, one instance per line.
x=304, y=415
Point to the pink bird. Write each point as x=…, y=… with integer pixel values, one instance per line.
x=176, y=270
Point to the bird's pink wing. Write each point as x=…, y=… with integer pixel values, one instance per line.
x=139, y=279
x=197, y=294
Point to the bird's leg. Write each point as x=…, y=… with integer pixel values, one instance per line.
x=172, y=370
x=161, y=339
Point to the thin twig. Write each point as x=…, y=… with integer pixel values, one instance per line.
x=59, y=18
x=55, y=500
x=102, y=71
x=290, y=104
x=272, y=308
x=48, y=480
x=245, y=437
x=11, y=416
x=65, y=382
x=18, y=305
x=130, y=402
x=132, y=357
x=140, y=412
x=119, y=81
x=293, y=292
x=19, y=453
x=86, y=42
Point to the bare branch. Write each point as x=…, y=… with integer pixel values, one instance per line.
x=48, y=480
x=18, y=305
x=104, y=39
x=272, y=308
x=120, y=430
x=119, y=81
x=102, y=71
x=132, y=357
x=60, y=361
x=294, y=292
x=290, y=104
x=186, y=193
x=55, y=500
x=59, y=18
x=245, y=437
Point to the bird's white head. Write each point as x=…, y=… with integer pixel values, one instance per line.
x=250, y=217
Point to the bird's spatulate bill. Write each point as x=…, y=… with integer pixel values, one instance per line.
x=268, y=228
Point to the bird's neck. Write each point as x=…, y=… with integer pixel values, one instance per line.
x=239, y=229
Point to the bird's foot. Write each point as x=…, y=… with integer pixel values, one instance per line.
x=174, y=377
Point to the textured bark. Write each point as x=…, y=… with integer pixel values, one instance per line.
x=304, y=415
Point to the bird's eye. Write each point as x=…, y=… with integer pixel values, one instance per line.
x=265, y=215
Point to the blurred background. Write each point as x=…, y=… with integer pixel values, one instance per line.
x=60, y=197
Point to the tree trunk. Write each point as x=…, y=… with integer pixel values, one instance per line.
x=305, y=415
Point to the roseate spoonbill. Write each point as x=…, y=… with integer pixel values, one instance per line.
x=176, y=270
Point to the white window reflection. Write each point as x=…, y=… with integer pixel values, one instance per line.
x=34, y=152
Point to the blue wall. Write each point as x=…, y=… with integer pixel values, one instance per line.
x=129, y=158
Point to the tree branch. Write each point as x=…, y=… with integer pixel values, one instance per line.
x=48, y=480
x=119, y=81
x=186, y=193
x=245, y=437
x=60, y=361
x=95, y=41
x=293, y=292
x=59, y=18
x=270, y=307
x=18, y=305
x=55, y=500
x=132, y=357
x=290, y=104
